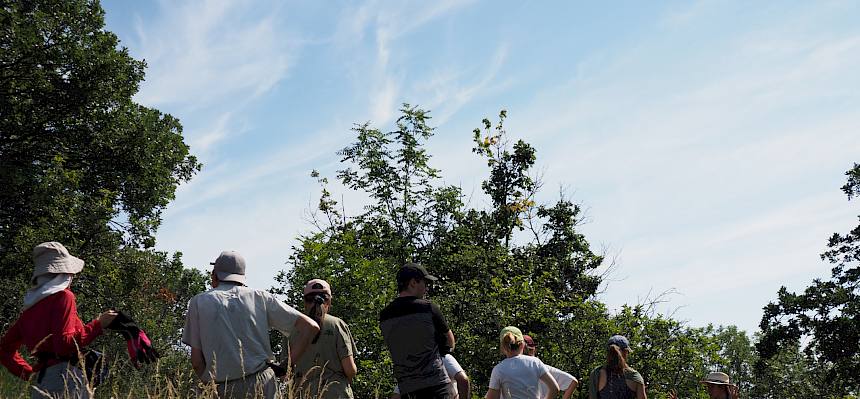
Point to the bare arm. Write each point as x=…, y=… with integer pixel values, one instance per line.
x=551, y=384
x=349, y=367
x=198, y=363
x=640, y=391
x=306, y=329
x=492, y=394
x=463, y=389
x=450, y=339
x=570, y=388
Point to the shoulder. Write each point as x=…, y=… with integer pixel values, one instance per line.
x=424, y=304
x=268, y=296
x=336, y=322
x=386, y=311
x=405, y=306
x=500, y=367
x=531, y=360
x=63, y=297
x=536, y=363
x=554, y=370
x=633, y=375
x=201, y=296
x=451, y=364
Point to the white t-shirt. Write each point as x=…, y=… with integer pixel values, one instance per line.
x=564, y=380
x=452, y=368
x=518, y=377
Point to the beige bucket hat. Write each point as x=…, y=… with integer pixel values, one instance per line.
x=53, y=257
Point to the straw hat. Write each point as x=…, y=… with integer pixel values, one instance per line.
x=717, y=378
x=53, y=257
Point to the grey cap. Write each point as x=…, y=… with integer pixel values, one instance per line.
x=619, y=341
x=53, y=258
x=230, y=266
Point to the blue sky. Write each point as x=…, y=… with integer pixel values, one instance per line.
x=707, y=140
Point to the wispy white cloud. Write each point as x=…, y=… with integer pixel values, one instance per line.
x=703, y=162
x=450, y=89
x=383, y=79
x=203, y=142
x=677, y=163
x=200, y=52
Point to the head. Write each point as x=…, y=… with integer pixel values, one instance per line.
x=531, y=346
x=317, y=298
x=511, y=342
x=717, y=385
x=229, y=267
x=413, y=280
x=618, y=348
x=52, y=258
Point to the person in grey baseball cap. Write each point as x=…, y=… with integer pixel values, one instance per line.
x=227, y=328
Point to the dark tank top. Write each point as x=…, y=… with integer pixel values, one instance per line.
x=616, y=388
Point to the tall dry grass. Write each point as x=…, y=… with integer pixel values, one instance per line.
x=171, y=377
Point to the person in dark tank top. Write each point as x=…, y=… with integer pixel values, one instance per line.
x=615, y=379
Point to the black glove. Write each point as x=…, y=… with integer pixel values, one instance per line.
x=138, y=344
x=279, y=370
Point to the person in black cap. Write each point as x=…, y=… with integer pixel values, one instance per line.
x=417, y=337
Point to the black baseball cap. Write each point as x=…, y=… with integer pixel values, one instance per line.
x=413, y=270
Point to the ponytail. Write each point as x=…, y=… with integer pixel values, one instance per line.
x=510, y=343
x=615, y=362
x=317, y=312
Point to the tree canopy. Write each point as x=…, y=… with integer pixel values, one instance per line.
x=517, y=262
x=83, y=164
x=825, y=318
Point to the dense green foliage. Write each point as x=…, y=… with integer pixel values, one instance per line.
x=81, y=163
x=516, y=263
x=825, y=318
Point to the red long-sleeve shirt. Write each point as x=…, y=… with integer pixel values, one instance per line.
x=51, y=325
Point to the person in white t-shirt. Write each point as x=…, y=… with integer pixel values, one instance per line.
x=519, y=376
x=566, y=382
x=459, y=380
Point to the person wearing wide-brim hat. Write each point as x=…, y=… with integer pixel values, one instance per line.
x=50, y=328
x=718, y=386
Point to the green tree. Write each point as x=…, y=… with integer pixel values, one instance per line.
x=788, y=373
x=738, y=357
x=488, y=278
x=825, y=318
x=509, y=186
x=83, y=164
x=515, y=263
